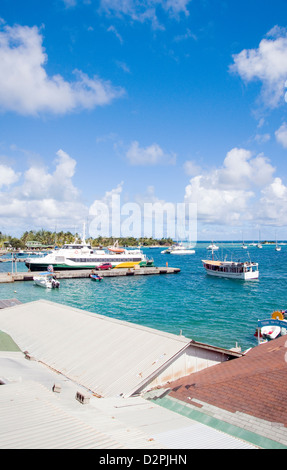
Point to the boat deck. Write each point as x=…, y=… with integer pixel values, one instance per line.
x=85, y=273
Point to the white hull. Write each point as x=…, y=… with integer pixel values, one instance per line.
x=44, y=284
x=182, y=252
x=178, y=250
x=243, y=276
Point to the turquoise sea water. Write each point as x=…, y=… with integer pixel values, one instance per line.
x=216, y=311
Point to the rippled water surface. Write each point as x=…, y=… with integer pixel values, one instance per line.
x=212, y=310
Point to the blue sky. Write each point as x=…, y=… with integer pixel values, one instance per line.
x=153, y=101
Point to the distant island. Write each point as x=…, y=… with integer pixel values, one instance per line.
x=43, y=239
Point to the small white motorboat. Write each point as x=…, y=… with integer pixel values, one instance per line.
x=46, y=279
x=272, y=327
x=270, y=331
x=167, y=251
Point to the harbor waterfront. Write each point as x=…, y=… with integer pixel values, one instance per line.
x=217, y=311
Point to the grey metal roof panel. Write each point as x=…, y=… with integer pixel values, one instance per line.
x=108, y=356
x=199, y=436
x=31, y=418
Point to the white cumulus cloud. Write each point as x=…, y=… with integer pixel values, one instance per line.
x=227, y=195
x=267, y=64
x=7, y=176
x=42, y=198
x=272, y=207
x=25, y=86
x=281, y=135
x=151, y=155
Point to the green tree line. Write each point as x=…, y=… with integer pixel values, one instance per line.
x=49, y=238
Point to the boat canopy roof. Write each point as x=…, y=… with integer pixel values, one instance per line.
x=228, y=263
x=210, y=261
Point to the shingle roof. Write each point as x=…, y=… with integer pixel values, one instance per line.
x=255, y=384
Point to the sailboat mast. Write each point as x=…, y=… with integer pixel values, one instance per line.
x=84, y=234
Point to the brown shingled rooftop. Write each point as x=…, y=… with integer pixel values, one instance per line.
x=255, y=384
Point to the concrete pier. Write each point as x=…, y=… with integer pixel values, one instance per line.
x=85, y=273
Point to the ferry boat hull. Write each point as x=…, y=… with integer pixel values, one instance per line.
x=91, y=263
x=128, y=264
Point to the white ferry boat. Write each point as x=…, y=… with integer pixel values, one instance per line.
x=234, y=270
x=82, y=256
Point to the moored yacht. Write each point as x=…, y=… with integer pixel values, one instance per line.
x=212, y=247
x=277, y=248
x=181, y=250
x=178, y=249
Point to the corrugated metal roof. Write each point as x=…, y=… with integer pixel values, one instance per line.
x=108, y=356
x=199, y=436
x=33, y=418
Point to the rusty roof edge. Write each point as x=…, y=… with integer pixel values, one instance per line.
x=149, y=378
x=197, y=344
x=228, y=352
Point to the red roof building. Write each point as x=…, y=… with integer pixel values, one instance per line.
x=252, y=387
